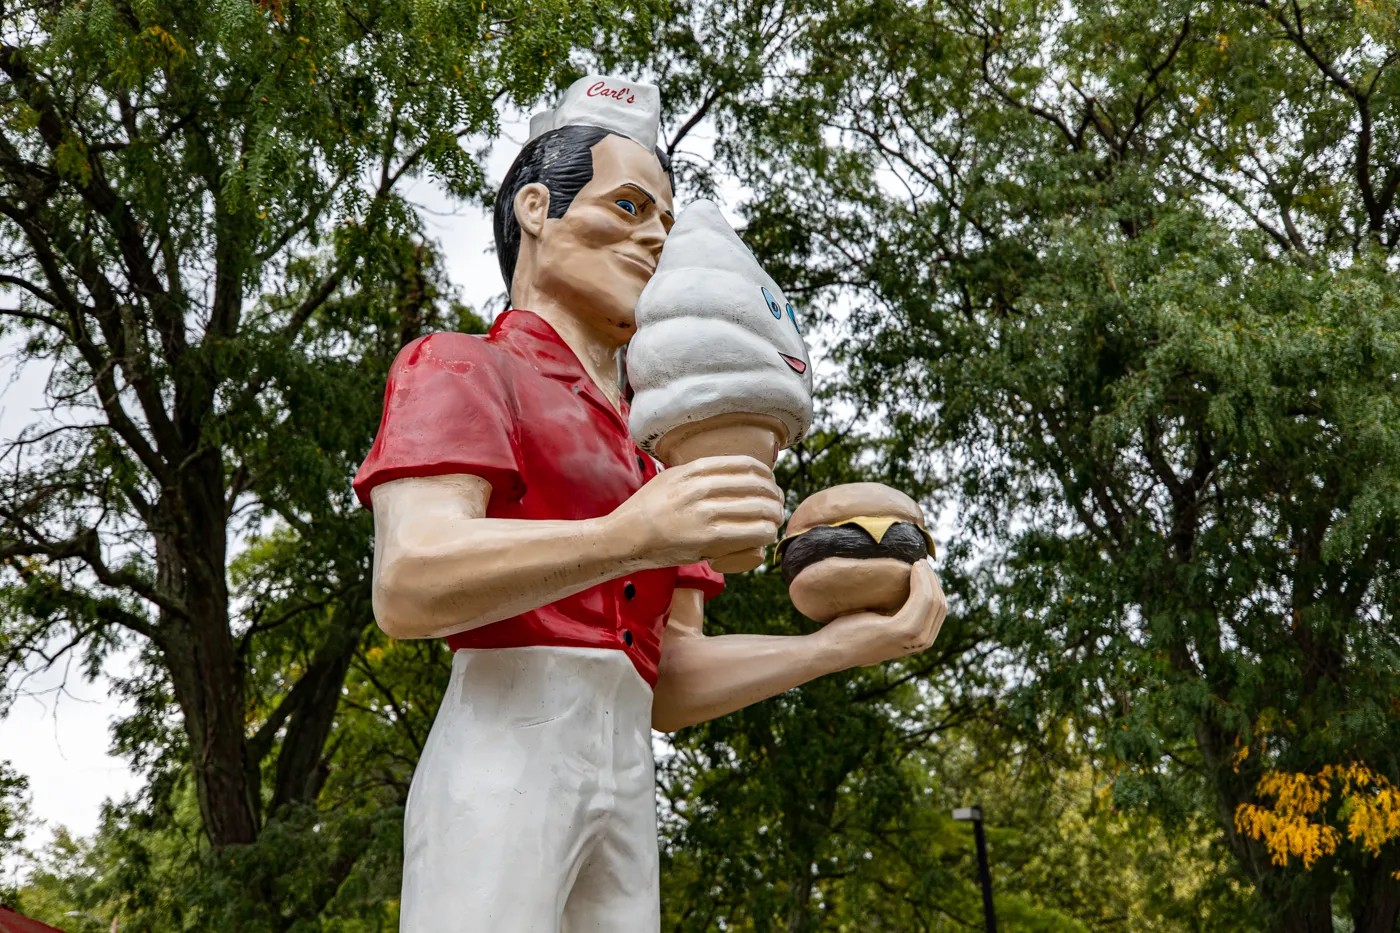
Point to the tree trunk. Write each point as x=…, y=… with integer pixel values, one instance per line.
x=1307, y=913
x=802, y=901
x=301, y=768
x=211, y=700
x=205, y=671
x=216, y=731
x=1376, y=904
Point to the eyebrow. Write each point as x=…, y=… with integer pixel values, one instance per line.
x=650, y=196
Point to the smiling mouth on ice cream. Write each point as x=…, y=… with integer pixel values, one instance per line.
x=798, y=366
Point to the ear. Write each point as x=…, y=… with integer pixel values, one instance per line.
x=532, y=209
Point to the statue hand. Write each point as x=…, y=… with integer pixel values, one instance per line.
x=706, y=508
x=863, y=638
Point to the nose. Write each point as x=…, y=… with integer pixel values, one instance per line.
x=651, y=236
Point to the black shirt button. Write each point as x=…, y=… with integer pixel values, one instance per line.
x=641, y=464
x=627, y=638
x=629, y=591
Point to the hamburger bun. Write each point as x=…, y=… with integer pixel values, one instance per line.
x=842, y=502
x=850, y=549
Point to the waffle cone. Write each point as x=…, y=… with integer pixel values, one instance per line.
x=738, y=434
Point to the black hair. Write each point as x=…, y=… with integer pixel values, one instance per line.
x=562, y=161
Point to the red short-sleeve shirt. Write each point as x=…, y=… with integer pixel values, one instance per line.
x=517, y=409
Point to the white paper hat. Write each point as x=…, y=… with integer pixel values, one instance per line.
x=612, y=103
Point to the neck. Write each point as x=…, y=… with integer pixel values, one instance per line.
x=596, y=351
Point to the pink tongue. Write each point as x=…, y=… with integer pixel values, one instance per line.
x=797, y=365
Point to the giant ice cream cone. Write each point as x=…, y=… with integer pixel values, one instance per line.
x=718, y=364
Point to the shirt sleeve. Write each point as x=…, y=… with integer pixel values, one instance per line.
x=700, y=577
x=446, y=410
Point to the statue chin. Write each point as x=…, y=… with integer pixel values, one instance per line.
x=604, y=304
x=617, y=303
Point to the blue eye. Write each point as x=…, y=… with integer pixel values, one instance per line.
x=628, y=206
x=793, y=317
x=772, y=303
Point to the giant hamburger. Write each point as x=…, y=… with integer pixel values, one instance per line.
x=850, y=549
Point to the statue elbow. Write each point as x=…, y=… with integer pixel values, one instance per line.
x=410, y=601
x=394, y=600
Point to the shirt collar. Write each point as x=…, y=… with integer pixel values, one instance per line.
x=532, y=336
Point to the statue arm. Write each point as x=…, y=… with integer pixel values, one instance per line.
x=441, y=567
x=704, y=677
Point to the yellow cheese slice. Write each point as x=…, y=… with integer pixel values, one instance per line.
x=875, y=526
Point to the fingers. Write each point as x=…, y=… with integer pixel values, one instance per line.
x=740, y=536
x=730, y=486
x=737, y=464
x=923, y=584
x=729, y=490
x=923, y=577
x=731, y=511
x=938, y=609
x=736, y=499
x=922, y=614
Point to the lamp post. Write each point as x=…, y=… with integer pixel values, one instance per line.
x=973, y=815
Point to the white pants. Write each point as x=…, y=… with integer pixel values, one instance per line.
x=533, y=809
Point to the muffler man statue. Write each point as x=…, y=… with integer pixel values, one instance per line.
x=516, y=517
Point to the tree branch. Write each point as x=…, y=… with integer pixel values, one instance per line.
x=694, y=120
x=46, y=297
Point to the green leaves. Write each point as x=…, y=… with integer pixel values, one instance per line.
x=1111, y=288
x=14, y=815
x=200, y=215
x=1116, y=286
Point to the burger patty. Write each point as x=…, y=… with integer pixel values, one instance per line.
x=903, y=541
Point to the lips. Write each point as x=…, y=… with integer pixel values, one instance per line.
x=646, y=268
x=798, y=366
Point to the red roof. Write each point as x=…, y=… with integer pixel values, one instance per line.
x=11, y=922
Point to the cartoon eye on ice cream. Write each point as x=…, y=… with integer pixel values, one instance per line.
x=717, y=365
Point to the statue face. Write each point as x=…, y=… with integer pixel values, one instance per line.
x=596, y=259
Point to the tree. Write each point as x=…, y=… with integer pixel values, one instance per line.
x=829, y=808
x=14, y=813
x=1112, y=285
x=1117, y=281
x=203, y=236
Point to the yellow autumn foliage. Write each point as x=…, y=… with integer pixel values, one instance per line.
x=1296, y=826
x=166, y=41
